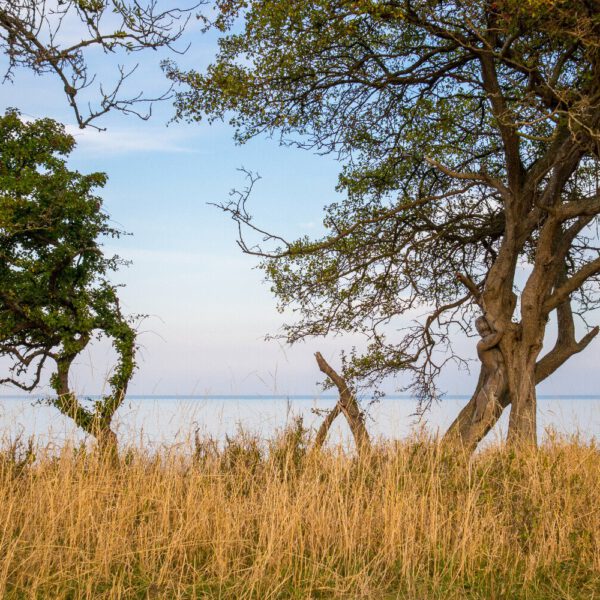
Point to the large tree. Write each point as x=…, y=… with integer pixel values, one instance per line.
x=61, y=38
x=469, y=133
x=55, y=297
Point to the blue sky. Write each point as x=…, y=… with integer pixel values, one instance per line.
x=208, y=310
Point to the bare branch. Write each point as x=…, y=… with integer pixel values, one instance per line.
x=326, y=425
x=474, y=290
x=562, y=292
x=481, y=177
x=348, y=405
x=30, y=35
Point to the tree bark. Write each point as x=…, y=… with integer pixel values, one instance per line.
x=522, y=424
x=108, y=443
x=515, y=387
x=467, y=433
x=465, y=430
x=69, y=405
x=346, y=404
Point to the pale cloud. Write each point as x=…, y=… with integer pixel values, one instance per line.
x=135, y=140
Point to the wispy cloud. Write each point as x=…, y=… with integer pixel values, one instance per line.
x=132, y=140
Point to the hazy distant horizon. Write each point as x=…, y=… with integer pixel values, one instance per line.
x=157, y=420
x=315, y=396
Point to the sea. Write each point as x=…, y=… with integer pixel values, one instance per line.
x=155, y=421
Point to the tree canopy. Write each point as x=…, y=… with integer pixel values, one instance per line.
x=55, y=296
x=469, y=134
x=38, y=35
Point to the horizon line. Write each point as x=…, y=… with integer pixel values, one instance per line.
x=284, y=396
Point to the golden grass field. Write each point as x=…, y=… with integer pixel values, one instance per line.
x=250, y=520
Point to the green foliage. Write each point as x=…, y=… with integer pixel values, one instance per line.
x=55, y=296
x=447, y=117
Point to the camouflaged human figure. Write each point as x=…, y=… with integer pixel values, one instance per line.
x=493, y=364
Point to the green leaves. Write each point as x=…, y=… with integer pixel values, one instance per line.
x=447, y=118
x=54, y=292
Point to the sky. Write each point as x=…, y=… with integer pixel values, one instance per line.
x=206, y=305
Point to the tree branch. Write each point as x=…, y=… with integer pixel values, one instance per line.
x=481, y=177
x=562, y=293
x=348, y=405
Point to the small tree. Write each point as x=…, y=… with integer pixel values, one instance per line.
x=38, y=35
x=54, y=295
x=470, y=132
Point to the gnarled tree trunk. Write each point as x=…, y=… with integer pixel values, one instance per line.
x=468, y=432
x=89, y=421
x=465, y=430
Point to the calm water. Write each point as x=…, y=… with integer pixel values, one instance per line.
x=167, y=420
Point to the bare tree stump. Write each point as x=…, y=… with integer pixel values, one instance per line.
x=346, y=404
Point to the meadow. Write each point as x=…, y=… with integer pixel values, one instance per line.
x=248, y=518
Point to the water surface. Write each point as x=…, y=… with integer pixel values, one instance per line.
x=156, y=420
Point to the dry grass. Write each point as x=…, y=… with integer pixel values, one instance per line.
x=244, y=521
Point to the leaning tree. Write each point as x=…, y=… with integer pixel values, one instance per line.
x=62, y=38
x=469, y=134
x=55, y=297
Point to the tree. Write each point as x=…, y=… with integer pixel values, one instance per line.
x=37, y=35
x=470, y=135
x=54, y=294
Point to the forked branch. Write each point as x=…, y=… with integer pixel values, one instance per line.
x=346, y=404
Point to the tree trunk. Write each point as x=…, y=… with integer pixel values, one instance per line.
x=69, y=405
x=466, y=430
x=108, y=444
x=523, y=374
x=522, y=425
x=347, y=404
